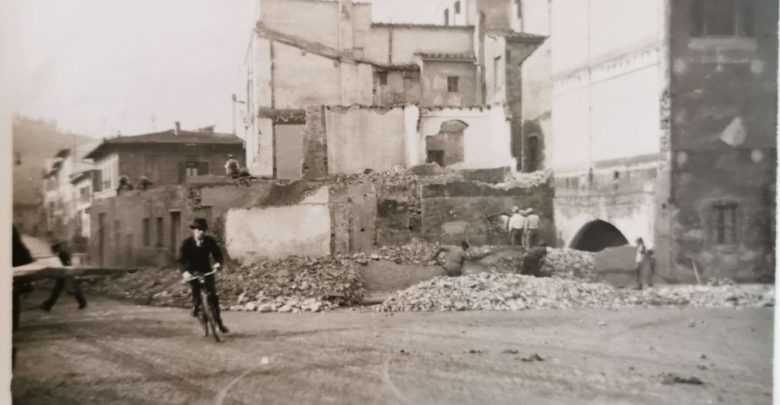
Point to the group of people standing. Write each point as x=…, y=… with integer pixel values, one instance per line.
x=523, y=228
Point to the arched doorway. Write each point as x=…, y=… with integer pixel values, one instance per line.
x=597, y=235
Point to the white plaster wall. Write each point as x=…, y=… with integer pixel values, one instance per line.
x=412, y=146
x=310, y=20
x=301, y=78
x=626, y=115
x=485, y=141
x=276, y=232
x=570, y=129
x=364, y=138
x=569, y=34
x=495, y=86
x=260, y=163
x=536, y=16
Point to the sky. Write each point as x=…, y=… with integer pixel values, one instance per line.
x=100, y=68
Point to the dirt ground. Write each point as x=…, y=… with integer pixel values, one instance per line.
x=115, y=352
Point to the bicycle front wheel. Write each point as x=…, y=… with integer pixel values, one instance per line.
x=211, y=319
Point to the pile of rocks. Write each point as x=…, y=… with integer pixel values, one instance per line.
x=395, y=175
x=415, y=252
x=526, y=180
x=284, y=285
x=493, y=291
x=569, y=263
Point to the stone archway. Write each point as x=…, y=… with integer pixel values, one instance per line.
x=597, y=235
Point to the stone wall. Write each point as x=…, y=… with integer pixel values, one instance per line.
x=453, y=212
x=723, y=143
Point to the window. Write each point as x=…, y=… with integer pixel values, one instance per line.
x=407, y=83
x=724, y=222
x=159, y=231
x=17, y=158
x=146, y=233
x=722, y=18
x=457, y=7
x=452, y=84
x=97, y=180
x=84, y=194
x=106, y=180
x=382, y=78
x=519, y=5
x=447, y=17
x=193, y=169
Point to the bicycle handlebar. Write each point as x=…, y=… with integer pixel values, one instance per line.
x=201, y=276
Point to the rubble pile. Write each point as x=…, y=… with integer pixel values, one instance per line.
x=330, y=279
x=293, y=284
x=395, y=175
x=493, y=291
x=526, y=180
x=569, y=263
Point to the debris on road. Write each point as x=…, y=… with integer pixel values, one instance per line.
x=511, y=351
x=569, y=263
x=533, y=357
x=671, y=378
x=494, y=291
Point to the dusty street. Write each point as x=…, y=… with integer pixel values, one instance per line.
x=115, y=352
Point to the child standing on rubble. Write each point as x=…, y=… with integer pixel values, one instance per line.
x=455, y=257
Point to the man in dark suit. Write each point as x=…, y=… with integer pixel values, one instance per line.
x=195, y=258
x=63, y=253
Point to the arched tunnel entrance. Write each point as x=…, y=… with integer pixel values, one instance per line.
x=598, y=235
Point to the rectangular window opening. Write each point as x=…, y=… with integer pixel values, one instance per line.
x=452, y=84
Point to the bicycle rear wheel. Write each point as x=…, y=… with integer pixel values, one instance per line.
x=211, y=319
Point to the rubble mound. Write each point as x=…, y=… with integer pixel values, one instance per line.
x=292, y=284
x=395, y=175
x=569, y=263
x=493, y=291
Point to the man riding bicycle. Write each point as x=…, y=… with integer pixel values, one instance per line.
x=195, y=258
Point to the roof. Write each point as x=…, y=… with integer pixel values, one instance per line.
x=167, y=137
x=408, y=66
x=427, y=26
x=447, y=56
x=517, y=36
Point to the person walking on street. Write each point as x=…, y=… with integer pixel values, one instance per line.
x=195, y=257
x=232, y=167
x=515, y=227
x=63, y=253
x=531, y=228
x=645, y=264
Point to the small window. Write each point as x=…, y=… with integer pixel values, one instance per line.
x=457, y=7
x=519, y=5
x=722, y=18
x=447, y=17
x=382, y=78
x=17, y=158
x=452, y=84
x=724, y=222
x=146, y=233
x=159, y=231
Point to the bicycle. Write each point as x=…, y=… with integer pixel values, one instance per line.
x=206, y=316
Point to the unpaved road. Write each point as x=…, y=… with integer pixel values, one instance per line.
x=118, y=353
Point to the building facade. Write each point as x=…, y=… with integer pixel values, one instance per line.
x=165, y=158
x=663, y=127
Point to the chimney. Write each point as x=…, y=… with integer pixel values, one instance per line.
x=178, y=128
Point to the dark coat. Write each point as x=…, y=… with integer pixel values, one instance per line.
x=198, y=259
x=21, y=255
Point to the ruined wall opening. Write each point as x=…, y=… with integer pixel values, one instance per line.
x=598, y=235
x=446, y=147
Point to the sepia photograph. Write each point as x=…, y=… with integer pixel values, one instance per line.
x=391, y=201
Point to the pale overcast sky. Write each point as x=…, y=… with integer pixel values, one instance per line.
x=135, y=66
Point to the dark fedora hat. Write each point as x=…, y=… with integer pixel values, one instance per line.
x=199, y=223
